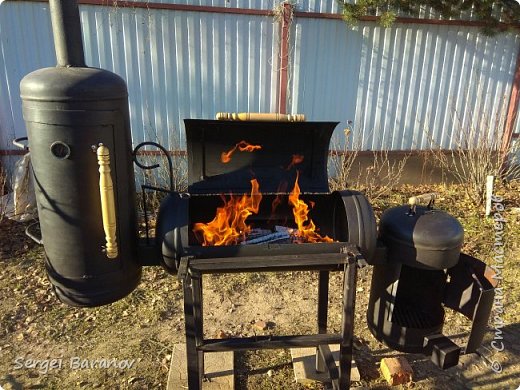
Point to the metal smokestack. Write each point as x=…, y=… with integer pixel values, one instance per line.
x=66, y=29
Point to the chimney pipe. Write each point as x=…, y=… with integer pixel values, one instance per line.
x=66, y=29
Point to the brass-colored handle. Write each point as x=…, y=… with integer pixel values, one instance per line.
x=108, y=209
x=424, y=198
x=259, y=116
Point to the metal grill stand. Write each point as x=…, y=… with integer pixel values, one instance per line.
x=191, y=271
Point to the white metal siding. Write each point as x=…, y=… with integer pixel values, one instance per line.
x=246, y=4
x=177, y=64
x=321, y=6
x=26, y=45
x=401, y=86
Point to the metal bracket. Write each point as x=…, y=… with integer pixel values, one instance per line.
x=184, y=264
x=471, y=292
x=32, y=235
x=18, y=143
x=145, y=186
x=355, y=256
x=165, y=153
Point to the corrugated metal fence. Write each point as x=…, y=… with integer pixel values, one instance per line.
x=405, y=85
x=177, y=64
x=400, y=87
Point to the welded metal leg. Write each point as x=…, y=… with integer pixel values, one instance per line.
x=192, y=355
x=323, y=306
x=347, y=324
x=199, y=320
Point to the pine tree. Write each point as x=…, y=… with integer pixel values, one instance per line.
x=495, y=16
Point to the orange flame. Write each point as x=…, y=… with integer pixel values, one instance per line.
x=229, y=225
x=282, y=187
x=306, y=228
x=242, y=146
x=296, y=159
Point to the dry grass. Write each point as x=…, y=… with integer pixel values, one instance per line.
x=379, y=178
x=147, y=323
x=341, y=161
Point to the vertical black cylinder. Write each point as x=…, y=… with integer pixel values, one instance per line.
x=406, y=296
x=69, y=111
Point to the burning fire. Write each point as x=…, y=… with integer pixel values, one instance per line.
x=242, y=146
x=279, y=198
x=229, y=225
x=306, y=228
x=296, y=159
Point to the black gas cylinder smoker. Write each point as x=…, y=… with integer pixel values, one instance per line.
x=78, y=128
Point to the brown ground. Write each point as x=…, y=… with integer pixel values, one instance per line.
x=145, y=325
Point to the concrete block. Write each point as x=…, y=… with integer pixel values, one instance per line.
x=218, y=369
x=304, y=365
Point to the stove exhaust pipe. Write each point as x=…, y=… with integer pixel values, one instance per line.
x=78, y=128
x=66, y=29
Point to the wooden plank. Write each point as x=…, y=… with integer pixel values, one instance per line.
x=218, y=369
x=304, y=365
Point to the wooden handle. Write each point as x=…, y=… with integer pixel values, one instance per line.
x=424, y=198
x=108, y=210
x=258, y=116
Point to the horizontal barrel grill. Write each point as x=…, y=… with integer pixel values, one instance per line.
x=275, y=172
x=288, y=153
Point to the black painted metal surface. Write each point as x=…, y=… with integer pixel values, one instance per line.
x=66, y=29
x=68, y=112
x=423, y=273
x=471, y=291
x=271, y=165
x=428, y=238
x=405, y=305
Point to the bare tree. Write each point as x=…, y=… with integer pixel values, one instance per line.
x=342, y=159
x=375, y=180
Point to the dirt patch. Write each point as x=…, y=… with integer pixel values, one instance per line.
x=144, y=326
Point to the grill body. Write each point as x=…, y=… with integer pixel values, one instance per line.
x=68, y=113
x=345, y=216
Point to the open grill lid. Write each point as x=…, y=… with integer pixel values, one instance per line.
x=280, y=141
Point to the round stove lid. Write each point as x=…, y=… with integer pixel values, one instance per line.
x=430, y=229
